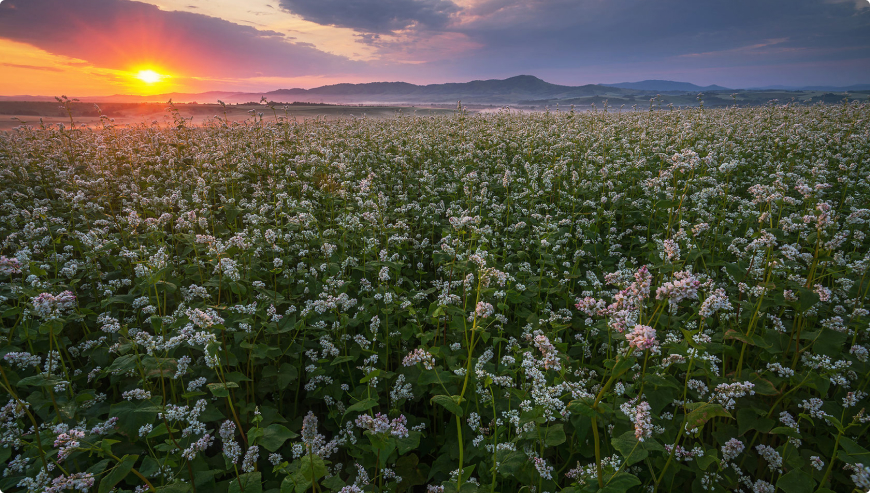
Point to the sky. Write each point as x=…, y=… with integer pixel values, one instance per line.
x=105, y=47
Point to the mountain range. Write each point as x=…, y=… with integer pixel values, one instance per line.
x=666, y=86
x=521, y=89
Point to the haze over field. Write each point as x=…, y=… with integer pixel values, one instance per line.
x=107, y=47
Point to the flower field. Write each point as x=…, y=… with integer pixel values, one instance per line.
x=556, y=302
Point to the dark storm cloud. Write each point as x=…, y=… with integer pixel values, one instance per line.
x=123, y=34
x=534, y=36
x=375, y=16
x=636, y=29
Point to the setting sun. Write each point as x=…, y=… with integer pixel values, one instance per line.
x=149, y=76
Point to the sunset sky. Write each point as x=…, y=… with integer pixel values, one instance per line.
x=103, y=47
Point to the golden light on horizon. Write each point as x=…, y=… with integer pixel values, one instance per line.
x=149, y=76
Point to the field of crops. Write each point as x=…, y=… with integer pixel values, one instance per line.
x=556, y=302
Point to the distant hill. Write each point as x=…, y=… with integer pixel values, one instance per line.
x=666, y=86
x=492, y=90
x=854, y=87
x=522, y=90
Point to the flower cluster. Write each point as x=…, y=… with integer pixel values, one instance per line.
x=642, y=337
x=381, y=425
x=48, y=306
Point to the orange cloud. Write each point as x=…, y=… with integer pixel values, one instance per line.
x=27, y=70
x=129, y=36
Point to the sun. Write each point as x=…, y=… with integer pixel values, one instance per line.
x=149, y=76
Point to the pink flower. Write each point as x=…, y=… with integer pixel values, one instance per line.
x=9, y=266
x=484, y=310
x=642, y=337
x=642, y=421
x=548, y=351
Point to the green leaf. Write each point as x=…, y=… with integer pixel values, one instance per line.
x=221, y=390
x=634, y=450
x=95, y=469
x=733, y=334
x=382, y=445
x=287, y=374
x=41, y=380
x=12, y=312
x=796, y=481
x=408, y=468
x=168, y=286
x=708, y=458
x=451, y=403
x=174, y=488
x=309, y=466
x=467, y=487
x=851, y=452
x=762, y=385
x=658, y=381
x=158, y=430
x=622, y=365
x=620, y=483
x=830, y=343
x=363, y=405
x=703, y=412
x=205, y=479
x=511, y=462
x=412, y=441
x=335, y=483
x=237, y=376
x=132, y=415
x=275, y=435
x=288, y=485
x=117, y=473
x=123, y=364
x=106, y=444
x=806, y=299
x=341, y=359
x=372, y=374
x=237, y=288
x=555, y=435
x=738, y=272
x=629, y=447
x=251, y=482
x=752, y=419
x=582, y=406
x=785, y=430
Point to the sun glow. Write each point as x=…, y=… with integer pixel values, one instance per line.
x=149, y=76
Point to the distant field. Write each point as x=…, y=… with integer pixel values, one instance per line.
x=13, y=113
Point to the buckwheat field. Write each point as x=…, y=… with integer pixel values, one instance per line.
x=569, y=302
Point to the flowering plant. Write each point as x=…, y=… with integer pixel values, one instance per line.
x=559, y=301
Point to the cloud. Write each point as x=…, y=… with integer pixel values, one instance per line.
x=367, y=38
x=580, y=40
x=375, y=16
x=31, y=67
x=126, y=35
x=859, y=4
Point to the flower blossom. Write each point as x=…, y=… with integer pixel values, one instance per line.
x=642, y=337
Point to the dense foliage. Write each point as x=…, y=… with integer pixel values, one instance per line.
x=642, y=301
